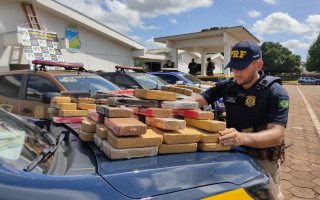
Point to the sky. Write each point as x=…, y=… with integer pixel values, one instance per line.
x=293, y=23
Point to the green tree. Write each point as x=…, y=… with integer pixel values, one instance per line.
x=278, y=59
x=313, y=59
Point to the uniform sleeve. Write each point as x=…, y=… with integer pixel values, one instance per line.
x=214, y=93
x=278, y=105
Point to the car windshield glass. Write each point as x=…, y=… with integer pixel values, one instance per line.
x=190, y=78
x=20, y=143
x=86, y=83
x=150, y=82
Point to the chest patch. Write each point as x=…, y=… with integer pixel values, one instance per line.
x=250, y=101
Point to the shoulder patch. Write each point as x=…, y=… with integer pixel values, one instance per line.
x=283, y=103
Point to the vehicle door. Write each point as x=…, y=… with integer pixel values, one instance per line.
x=172, y=79
x=10, y=92
x=312, y=80
x=126, y=82
x=35, y=86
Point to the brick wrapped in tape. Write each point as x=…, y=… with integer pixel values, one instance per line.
x=96, y=117
x=156, y=112
x=212, y=147
x=166, y=123
x=182, y=136
x=102, y=131
x=59, y=99
x=97, y=140
x=149, y=139
x=85, y=136
x=207, y=125
x=196, y=114
x=88, y=125
x=116, y=101
x=177, y=148
x=155, y=94
x=67, y=120
x=115, y=154
x=125, y=126
x=86, y=106
x=114, y=111
x=72, y=113
x=189, y=105
x=66, y=106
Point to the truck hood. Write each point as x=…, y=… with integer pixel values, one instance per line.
x=162, y=174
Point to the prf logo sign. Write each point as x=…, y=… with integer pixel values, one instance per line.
x=72, y=33
x=238, y=54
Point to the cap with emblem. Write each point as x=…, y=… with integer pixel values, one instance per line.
x=242, y=54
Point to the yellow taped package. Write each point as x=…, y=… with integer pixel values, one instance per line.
x=115, y=154
x=207, y=125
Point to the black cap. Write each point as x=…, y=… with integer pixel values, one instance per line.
x=242, y=54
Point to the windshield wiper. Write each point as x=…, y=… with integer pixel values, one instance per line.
x=45, y=152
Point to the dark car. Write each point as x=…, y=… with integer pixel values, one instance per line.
x=21, y=90
x=44, y=160
x=180, y=78
x=133, y=80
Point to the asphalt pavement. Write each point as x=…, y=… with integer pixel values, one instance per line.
x=300, y=178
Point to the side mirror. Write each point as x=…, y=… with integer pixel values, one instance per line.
x=46, y=97
x=179, y=82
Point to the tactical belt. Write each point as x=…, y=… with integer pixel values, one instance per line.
x=271, y=154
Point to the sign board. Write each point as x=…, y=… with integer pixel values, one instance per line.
x=40, y=45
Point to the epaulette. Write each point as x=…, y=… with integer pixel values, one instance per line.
x=267, y=81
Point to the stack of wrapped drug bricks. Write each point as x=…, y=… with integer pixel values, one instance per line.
x=202, y=122
x=120, y=136
x=176, y=138
x=181, y=89
x=69, y=108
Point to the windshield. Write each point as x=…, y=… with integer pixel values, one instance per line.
x=190, y=78
x=150, y=82
x=20, y=143
x=86, y=83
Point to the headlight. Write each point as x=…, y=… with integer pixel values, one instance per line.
x=259, y=188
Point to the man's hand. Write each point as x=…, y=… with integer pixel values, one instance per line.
x=231, y=137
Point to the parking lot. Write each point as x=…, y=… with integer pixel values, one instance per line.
x=301, y=170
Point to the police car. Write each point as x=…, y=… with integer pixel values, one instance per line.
x=128, y=77
x=21, y=91
x=44, y=160
x=308, y=80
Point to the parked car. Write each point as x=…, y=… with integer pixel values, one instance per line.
x=21, y=90
x=180, y=78
x=133, y=80
x=309, y=80
x=44, y=160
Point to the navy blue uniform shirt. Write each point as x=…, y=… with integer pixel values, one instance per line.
x=254, y=107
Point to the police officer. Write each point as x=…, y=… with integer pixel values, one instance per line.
x=256, y=109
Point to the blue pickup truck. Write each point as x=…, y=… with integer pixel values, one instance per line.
x=309, y=80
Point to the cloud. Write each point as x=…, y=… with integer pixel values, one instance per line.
x=270, y=1
x=241, y=22
x=295, y=45
x=281, y=22
x=125, y=15
x=254, y=13
x=151, y=44
x=174, y=21
x=165, y=7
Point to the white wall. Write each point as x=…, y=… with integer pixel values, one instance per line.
x=96, y=53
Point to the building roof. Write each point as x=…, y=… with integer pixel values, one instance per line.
x=208, y=41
